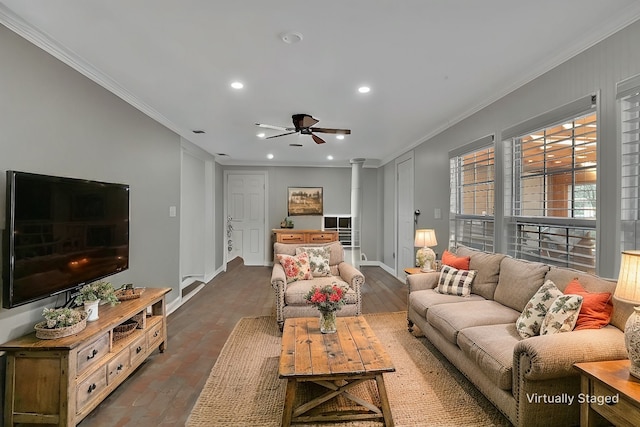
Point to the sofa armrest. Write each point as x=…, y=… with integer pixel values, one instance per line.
x=552, y=356
x=422, y=281
x=278, y=278
x=351, y=275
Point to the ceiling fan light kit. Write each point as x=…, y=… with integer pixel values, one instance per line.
x=303, y=124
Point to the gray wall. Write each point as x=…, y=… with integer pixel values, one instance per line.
x=336, y=183
x=55, y=121
x=597, y=69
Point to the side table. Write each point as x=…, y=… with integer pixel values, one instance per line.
x=607, y=388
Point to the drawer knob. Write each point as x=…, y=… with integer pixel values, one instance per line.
x=156, y=334
x=120, y=366
x=93, y=354
x=138, y=349
x=91, y=388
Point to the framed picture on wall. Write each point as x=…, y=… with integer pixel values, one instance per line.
x=304, y=201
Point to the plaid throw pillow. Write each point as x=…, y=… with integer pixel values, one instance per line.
x=455, y=282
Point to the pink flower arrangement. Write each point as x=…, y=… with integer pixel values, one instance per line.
x=327, y=298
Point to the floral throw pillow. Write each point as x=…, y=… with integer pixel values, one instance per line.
x=318, y=260
x=455, y=282
x=562, y=315
x=530, y=320
x=295, y=267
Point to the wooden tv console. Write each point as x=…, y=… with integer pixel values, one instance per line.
x=60, y=381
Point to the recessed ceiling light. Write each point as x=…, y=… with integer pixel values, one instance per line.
x=237, y=85
x=291, y=37
x=329, y=157
x=364, y=89
x=261, y=135
x=340, y=136
x=269, y=156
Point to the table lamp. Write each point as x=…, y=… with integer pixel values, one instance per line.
x=628, y=290
x=425, y=257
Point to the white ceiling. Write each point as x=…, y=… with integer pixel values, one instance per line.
x=429, y=63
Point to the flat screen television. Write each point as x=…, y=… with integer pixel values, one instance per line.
x=60, y=234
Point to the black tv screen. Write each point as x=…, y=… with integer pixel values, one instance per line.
x=61, y=233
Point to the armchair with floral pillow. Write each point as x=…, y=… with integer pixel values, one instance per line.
x=298, y=268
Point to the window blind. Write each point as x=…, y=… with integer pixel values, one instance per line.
x=472, y=204
x=629, y=98
x=553, y=194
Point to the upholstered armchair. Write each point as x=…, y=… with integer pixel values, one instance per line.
x=291, y=291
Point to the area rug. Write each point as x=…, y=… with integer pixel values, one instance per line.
x=243, y=388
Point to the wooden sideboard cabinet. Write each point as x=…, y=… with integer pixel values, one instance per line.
x=290, y=235
x=60, y=381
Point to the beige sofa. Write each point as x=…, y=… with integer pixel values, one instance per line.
x=290, y=297
x=478, y=335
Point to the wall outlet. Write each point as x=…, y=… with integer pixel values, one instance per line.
x=437, y=213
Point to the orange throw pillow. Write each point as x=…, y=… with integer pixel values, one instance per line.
x=596, y=307
x=459, y=262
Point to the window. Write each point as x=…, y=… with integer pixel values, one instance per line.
x=472, y=170
x=341, y=224
x=552, y=200
x=628, y=94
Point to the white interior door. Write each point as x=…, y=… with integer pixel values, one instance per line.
x=404, y=213
x=246, y=215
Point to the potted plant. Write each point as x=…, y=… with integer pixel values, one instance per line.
x=60, y=322
x=92, y=294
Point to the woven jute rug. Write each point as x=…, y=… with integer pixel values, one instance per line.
x=243, y=388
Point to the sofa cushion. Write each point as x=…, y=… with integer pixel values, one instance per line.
x=318, y=259
x=421, y=301
x=295, y=292
x=295, y=267
x=459, y=262
x=596, y=309
x=530, y=320
x=491, y=348
x=488, y=267
x=562, y=315
x=518, y=281
x=449, y=319
x=455, y=282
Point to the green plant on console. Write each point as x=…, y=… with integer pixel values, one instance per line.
x=99, y=290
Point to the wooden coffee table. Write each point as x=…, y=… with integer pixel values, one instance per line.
x=336, y=362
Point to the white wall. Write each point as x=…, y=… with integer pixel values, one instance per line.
x=597, y=69
x=55, y=121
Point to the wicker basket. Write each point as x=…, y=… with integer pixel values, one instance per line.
x=45, y=333
x=126, y=294
x=124, y=330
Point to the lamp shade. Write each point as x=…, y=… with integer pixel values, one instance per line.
x=425, y=238
x=628, y=287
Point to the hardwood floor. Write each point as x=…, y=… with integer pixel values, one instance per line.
x=164, y=389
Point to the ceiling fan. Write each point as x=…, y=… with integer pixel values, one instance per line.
x=303, y=123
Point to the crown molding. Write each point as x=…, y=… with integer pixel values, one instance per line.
x=33, y=35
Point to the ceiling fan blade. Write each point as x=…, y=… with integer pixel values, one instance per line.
x=262, y=125
x=317, y=139
x=327, y=130
x=282, y=134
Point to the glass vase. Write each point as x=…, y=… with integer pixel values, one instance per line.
x=327, y=322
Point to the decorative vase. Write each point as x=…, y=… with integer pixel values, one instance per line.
x=91, y=307
x=328, y=322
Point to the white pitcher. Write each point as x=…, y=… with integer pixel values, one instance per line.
x=91, y=307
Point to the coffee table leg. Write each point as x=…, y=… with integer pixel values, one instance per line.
x=289, y=400
x=384, y=401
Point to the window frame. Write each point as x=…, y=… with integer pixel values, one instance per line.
x=572, y=238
